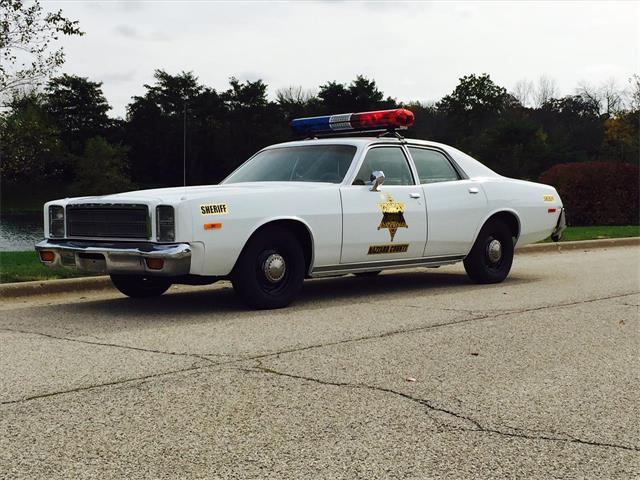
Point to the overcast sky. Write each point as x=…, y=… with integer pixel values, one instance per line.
x=414, y=51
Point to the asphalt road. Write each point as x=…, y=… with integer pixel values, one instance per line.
x=414, y=374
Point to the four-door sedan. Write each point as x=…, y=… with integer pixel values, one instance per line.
x=310, y=208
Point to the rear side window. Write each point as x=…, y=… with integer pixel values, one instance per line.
x=433, y=166
x=389, y=160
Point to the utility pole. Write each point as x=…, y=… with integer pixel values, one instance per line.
x=184, y=142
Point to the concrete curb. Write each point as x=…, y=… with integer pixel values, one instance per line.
x=82, y=284
x=579, y=245
x=46, y=287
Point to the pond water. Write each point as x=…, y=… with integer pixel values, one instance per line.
x=20, y=232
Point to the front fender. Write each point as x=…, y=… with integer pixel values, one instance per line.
x=286, y=218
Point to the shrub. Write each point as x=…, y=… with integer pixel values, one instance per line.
x=597, y=193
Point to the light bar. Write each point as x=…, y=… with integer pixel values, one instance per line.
x=397, y=119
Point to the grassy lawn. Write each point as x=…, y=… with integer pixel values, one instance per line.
x=572, y=234
x=24, y=266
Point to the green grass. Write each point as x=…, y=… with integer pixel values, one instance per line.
x=572, y=234
x=25, y=266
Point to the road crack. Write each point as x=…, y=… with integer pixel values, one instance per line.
x=100, y=385
x=230, y=359
x=473, y=425
x=198, y=356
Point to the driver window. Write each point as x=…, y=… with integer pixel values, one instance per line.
x=391, y=161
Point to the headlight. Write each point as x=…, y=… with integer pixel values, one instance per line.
x=165, y=223
x=56, y=221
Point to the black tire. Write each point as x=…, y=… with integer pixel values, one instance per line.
x=368, y=274
x=259, y=286
x=482, y=264
x=140, y=286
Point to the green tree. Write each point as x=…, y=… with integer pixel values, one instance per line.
x=79, y=108
x=102, y=169
x=335, y=98
x=360, y=95
x=155, y=127
x=474, y=101
x=30, y=146
x=622, y=134
x=574, y=127
x=27, y=35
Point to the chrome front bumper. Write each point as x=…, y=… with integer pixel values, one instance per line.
x=117, y=257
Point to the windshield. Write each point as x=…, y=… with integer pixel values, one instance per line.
x=308, y=163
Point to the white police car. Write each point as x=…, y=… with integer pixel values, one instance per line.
x=309, y=208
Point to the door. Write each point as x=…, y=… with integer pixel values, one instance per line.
x=389, y=224
x=455, y=205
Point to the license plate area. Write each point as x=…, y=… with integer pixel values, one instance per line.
x=92, y=262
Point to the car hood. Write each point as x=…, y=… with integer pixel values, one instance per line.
x=180, y=194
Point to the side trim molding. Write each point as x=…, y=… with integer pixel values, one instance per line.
x=341, y=269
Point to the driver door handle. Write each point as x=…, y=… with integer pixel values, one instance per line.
x=414, y=195
x=473, y=190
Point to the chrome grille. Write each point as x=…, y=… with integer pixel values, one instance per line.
x=108, y=220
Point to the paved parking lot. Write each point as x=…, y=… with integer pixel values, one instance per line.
x=414, y=374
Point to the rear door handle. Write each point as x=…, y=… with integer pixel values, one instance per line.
x=474, y=190
x=414, y=195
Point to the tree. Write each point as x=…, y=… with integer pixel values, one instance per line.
x=473, y=106
x=221, y=129
x=634, y=94
x=30, y=142
x=365, y=94
x=27, y=34
x=574, y=127
x=608, y=97
x=523, y=92
x=294, y=95
x=79, y=108
x=545, y=91
x=475, y=96
x=360, y=95
x=101, y=169
x=335, y=97
x=622, y=131
x=155, y=127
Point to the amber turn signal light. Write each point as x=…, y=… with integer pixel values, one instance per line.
x=212, y=226
x=155, y=263
x=47, y=256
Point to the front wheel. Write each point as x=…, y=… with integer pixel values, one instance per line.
x=140, y=286
x=270, y=270
x=491, y=257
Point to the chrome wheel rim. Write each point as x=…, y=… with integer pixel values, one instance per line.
x=494, y=251
x=274, y=268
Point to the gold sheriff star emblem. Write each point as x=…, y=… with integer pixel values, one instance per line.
x=392, y=216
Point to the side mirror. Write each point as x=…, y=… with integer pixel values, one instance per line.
x=377, y=177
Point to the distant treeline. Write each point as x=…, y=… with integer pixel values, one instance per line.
x=63, y=134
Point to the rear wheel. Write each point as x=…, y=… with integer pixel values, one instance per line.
x=270, y=270
x=140, y=286
x=491, y=257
